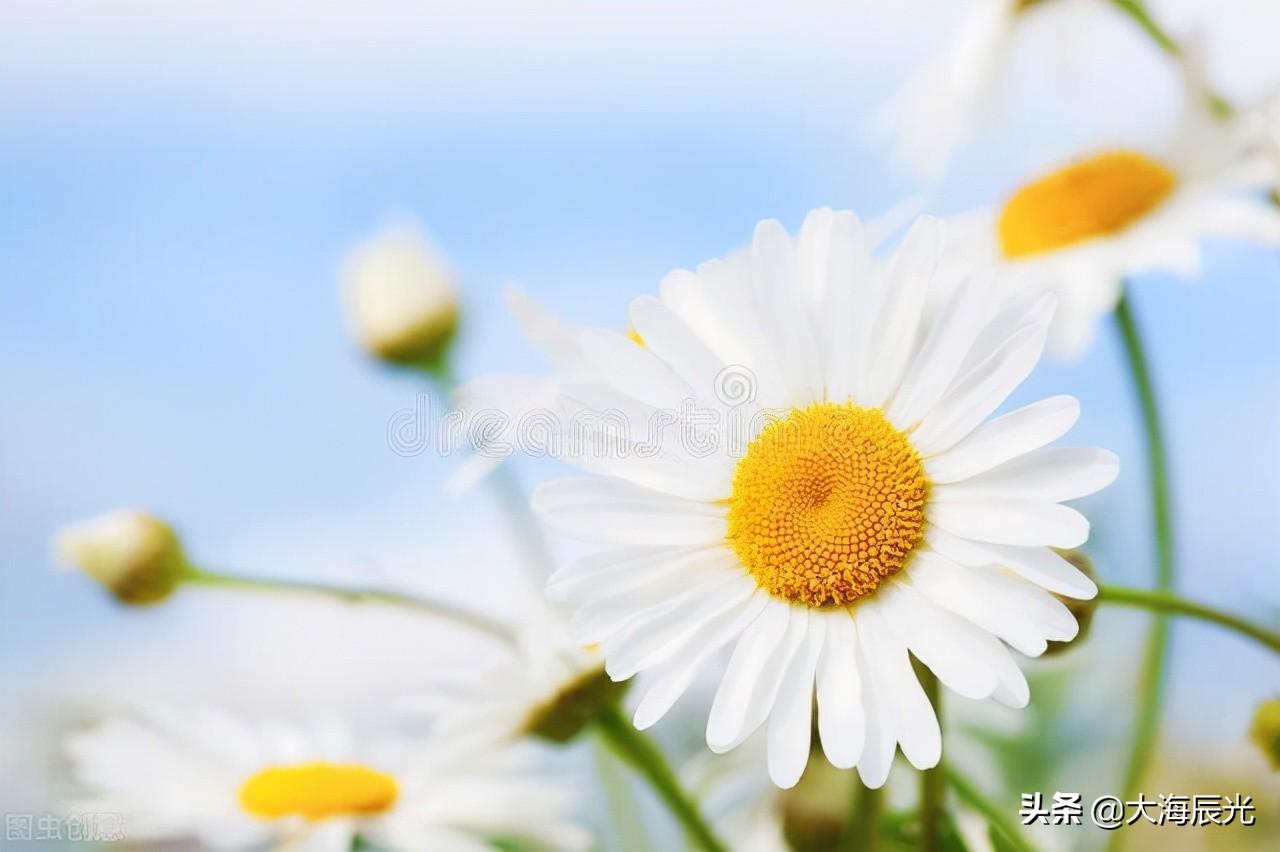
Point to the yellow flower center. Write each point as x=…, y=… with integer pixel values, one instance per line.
x=318, y=790
x=1092, y=198
x=827, y=503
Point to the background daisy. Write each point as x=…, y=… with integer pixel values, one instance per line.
x=202, y=773
x=1081, y=229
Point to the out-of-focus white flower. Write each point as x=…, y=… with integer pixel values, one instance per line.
x=935, y=111
x=822, y=565
x=737, y=796
x=137, y=556
x=547, y=687
x=401, y=298
x=203, y=773
x=1080, y=229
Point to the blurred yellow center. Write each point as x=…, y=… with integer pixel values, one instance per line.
x=827, y=503
x=1092, y=198
x=318, y=790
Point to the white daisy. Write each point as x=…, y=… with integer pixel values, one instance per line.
x=1081, y=229
x=874, y=512
x=546, y=686
x=202, y=773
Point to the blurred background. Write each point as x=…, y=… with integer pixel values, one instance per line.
x=180, y=182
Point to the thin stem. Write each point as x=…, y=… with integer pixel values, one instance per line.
x=931, y=780
x=1171, y=604
x=627, y=823
x=640, y=752
x=1138, y=12
x=863, y=831
x=1152, y=678
x=996, y=817
x=436, y=609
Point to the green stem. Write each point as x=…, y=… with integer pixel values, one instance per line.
x=1164, y=602
x=386, y=597
x=640, y=752
x=628, y=826
x=996, y=818
x=1152, y=678
x=931, y=780
x=1138, y=12
x=863, y=831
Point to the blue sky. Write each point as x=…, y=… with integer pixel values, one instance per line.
x=175, y=204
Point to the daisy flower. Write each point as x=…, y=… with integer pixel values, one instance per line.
x=1080, y=229
x=869, y=509
x=546, y=686
x=203, y=773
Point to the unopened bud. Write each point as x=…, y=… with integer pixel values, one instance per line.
x=402, y=303
x=1265, y=730
x=137, y=556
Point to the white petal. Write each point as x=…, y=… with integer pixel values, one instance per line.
x=1054, y=475
x=666, y=684
x=1040, y=565
x=936, y=363
x=1018, y=522
x=557, y=339
x=1006, y=437
x=975, y=395
x=881, y=716
x=594, y=576
x=915, y=722
x=652, y=642
x=613, y=511
x=942, y=641
x=897, y=321
x=750, y=684
x=667, y=336
x=841, y=720
x=791, y=724
x=632, y=369
x=794, y=341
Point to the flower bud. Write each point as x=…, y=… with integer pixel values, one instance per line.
x=576, y=705
x=1083, y=610
x=402, y=304
x=137, y=556
x=1265, y=730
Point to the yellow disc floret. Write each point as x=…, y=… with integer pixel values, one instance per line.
x=827, y=503
x=1092, y=198
x=318, y=790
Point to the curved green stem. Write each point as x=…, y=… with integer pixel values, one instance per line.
x=1166, y=602
x=1138, y=12
x=637, y=750
x=1152, y=678
x=996, y=818
x=386, y=597
x=931, y=780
